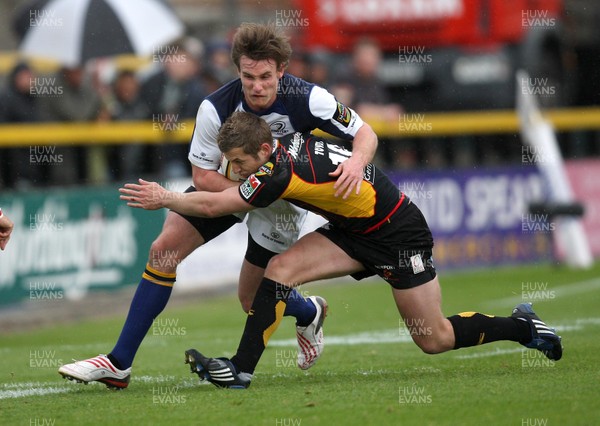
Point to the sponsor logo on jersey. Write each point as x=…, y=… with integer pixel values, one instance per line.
x=320, y=148
x=296, y=145
x=342, y=115
x=203, y=158
x=265, y=170
x=388, y=267
x=417, y=264
x=249, y=186
x=279, y=128
x=369, y=173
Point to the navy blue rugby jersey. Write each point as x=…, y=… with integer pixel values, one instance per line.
x=300, y=107
x=298, y=172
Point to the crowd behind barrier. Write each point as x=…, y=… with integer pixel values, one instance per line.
x=168, y=91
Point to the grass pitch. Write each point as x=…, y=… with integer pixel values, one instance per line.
x=370, y=373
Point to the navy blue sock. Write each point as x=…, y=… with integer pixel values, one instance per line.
x=297, y=306
x=150, y=299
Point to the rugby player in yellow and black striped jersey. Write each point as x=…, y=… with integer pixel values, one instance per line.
x=377, y=231
x=299, y=171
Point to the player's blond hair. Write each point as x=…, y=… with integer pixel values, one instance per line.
x=259, y=42
x=244, y=130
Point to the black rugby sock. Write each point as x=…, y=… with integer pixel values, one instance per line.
x=473, y=328
x=263, y=319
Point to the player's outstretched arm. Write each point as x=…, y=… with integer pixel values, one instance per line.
x=151, y=196
x=6, y=227
x=350, y=172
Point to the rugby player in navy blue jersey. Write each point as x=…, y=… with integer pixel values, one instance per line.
x=288, y=104
x=378, y=231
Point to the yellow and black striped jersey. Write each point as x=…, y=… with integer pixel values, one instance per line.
x=298, y=171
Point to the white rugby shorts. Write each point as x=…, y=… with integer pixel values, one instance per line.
x=277, y=226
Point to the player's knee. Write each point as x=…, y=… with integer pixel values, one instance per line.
x=158, y=249
x=433, y=343
x=163, y=257
x=280, y=269
x=430, y=346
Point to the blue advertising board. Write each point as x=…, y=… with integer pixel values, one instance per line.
x=480, y=217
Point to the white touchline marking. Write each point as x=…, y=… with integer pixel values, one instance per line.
x=577, y=325
x=402, y=336
x=381, y=336
x=177, y=382
x=25, y=389
x=496, y=351
x=564, y=290
x=45, y=389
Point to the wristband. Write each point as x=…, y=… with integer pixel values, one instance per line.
x=0, y=212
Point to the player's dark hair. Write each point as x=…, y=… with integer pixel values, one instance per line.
x=244, y=130
x=259, y=42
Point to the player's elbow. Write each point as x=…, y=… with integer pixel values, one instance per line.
x=367, y=132
x=202, y=178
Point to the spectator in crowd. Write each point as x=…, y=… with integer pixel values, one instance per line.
x=18, y=104
x=18, y=99
x=127, y=105
x=362, y=84
x=319, y=67
x=299, y=66
x=172, y=96
x=219, y=67
x=70, y=97
x=360, y=87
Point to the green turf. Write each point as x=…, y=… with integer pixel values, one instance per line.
x=364, y=384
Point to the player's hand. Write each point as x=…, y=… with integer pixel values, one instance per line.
x=146, y=195
x=350, y=176
x=6, y=227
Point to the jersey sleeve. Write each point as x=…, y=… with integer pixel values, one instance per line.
x=204, y=151
x=338, y=119
x=265, y=186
